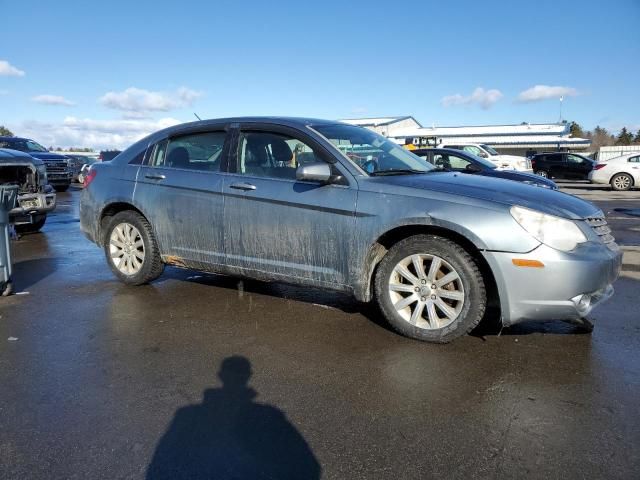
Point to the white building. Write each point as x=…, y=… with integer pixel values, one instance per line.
x=520, y=139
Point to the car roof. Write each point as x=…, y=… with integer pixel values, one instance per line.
x=14, y=138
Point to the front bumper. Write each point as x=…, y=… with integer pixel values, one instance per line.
x=568, y=287
x=31, y=205
x=59, y=178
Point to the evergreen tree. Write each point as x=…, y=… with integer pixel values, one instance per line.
x=5, y=132
x=625, y=137
x=637, y=139
x=576, y=130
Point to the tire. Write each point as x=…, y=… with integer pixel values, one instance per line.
x=6, y=289
x=32, y=227
x=542, y=173
x=621, y=182
x=391, y=288
x=147, y=264
x=61, y=188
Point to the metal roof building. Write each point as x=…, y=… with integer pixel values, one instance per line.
x=516, y=139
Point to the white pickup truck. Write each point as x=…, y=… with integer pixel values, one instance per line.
x=503, y=162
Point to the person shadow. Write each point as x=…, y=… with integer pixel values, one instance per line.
x=231, y=436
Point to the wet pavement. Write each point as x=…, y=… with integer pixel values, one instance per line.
x=203, y=376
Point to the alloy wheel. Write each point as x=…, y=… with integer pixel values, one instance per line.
x=426, y=291
x=622, y=182
x=126, y=248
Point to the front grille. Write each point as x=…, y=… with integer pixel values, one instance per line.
x=57, y=167
x=600, y=227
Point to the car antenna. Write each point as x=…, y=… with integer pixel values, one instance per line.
x=197, y=116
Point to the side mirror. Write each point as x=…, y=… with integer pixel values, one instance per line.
x=314, y=172
x=483, y=155
x=472, y=168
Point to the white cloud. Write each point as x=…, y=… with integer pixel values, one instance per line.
x=141, y=101
x=8, y=70
x=484, y=98
x=86, y=132
x=52, y=100
x=538, y=93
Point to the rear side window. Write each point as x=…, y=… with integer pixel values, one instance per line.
x=158, y=154
x=198, y=151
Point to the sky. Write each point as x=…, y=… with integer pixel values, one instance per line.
x=103, y=74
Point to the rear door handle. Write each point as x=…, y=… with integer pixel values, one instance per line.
x=242, y=186
x=155, y=177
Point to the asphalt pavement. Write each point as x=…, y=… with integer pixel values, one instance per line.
x=203, y=376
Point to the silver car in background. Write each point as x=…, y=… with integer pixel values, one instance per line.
x=335, y=206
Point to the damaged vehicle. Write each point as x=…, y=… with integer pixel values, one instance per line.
x=59, y=171
x=36, y=198
x=339, y=207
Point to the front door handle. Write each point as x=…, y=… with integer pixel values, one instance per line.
x=155, y=177
x=242, y=186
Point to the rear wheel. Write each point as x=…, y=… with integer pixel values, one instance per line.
x=429, y=288
x=621, y=182
x=131, y=249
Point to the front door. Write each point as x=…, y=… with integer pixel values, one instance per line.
x=179, y=188
x=278, y=227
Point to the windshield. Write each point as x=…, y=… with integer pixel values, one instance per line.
x=489, y=150
x=22, y=144
x=373, y=153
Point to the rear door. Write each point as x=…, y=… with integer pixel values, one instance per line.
x=278, y=227
x=556, y=165
x=179, y=188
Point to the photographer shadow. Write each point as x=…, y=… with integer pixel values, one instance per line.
x=230, y=436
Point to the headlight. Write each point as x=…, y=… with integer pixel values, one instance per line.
x=553, y=231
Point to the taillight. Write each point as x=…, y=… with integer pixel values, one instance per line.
x=88, y=178
x=598, y=166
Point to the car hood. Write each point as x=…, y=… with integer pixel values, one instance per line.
x=522, y=177
x=498, y=190
x=14, y=157
x=48, y=156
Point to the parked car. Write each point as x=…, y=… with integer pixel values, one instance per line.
x=505, y=162
x=622, y=173
x=77, y=161
x=565, y=165
x=82, y=175
x=107, y=155
x=465, y=162
x=35, y=197
x=59, y=171
x=337, y=206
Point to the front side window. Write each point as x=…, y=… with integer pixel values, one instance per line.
x=472, y=149
x=373, y=153
x=574, y=159
x=198, y=151
x=273, y=155
x=634, y=159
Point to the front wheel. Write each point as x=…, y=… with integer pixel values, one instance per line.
x=131, y=249
x=429, y=288
x=621, y=182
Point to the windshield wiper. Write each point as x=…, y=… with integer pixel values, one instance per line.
x=407, y=171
